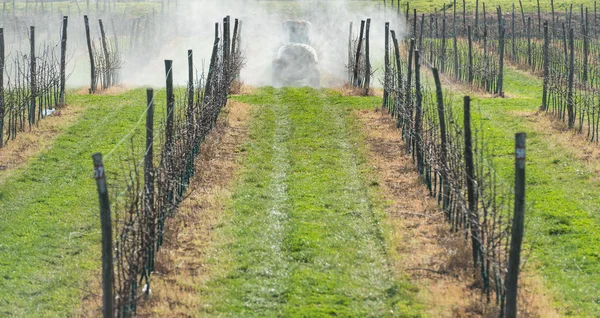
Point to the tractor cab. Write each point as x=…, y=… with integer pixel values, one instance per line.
x=296, y=32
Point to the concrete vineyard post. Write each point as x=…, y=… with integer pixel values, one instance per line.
x=106, y=224
x=514, y=259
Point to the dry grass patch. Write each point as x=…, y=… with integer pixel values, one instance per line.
x=112, y=90
x=576, y=144
x=349, y=90
x=181, y=264
x=437, y=260
x=29, y=144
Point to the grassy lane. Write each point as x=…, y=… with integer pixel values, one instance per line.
x=563, y=194
x=49, y=222
x=303, y=237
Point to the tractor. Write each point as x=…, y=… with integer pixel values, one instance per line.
x=296, y=61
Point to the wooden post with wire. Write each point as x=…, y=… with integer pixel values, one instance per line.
x=91, y=55
x=63, y=58
x=106, y=225
x=517, y=228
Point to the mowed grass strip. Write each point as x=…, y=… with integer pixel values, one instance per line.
x=303, y=236
x=49, y=212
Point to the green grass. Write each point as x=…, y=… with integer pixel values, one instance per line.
x=49, y=214
x=305, y=234
x=563, y=196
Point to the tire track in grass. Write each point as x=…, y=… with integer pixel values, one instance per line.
x=325, y=253
x=255, y=283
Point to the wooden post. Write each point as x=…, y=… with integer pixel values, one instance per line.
x=407, y=95
x=443, y=57
x=476, y=20
x=418, y=113
x=234, y=44
x=356, y=81
x=170, y=106
x=464, y=14
x=107, y=66
x=386, y=76
x=553, y=19
x=456, y=75
x=514, y=259
x=513, y=35
x=529, y=62
x=367, y=58
x=91, y=55
x=470, y=174
x=32, y=75
x=546, y=67
x=63, y=57
x=470, y=41
x=522, y=13
x=350, y=68
x=149, y=177
x=211, y=68
x=586, y=46
x=190, y=92
x=227, y=51
x=106, y=224
x=499, y=88
x=420, y=46
x=570, y=100
x=444, y=147
x=398, y=73
x=415, y=24
x=539, y=17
